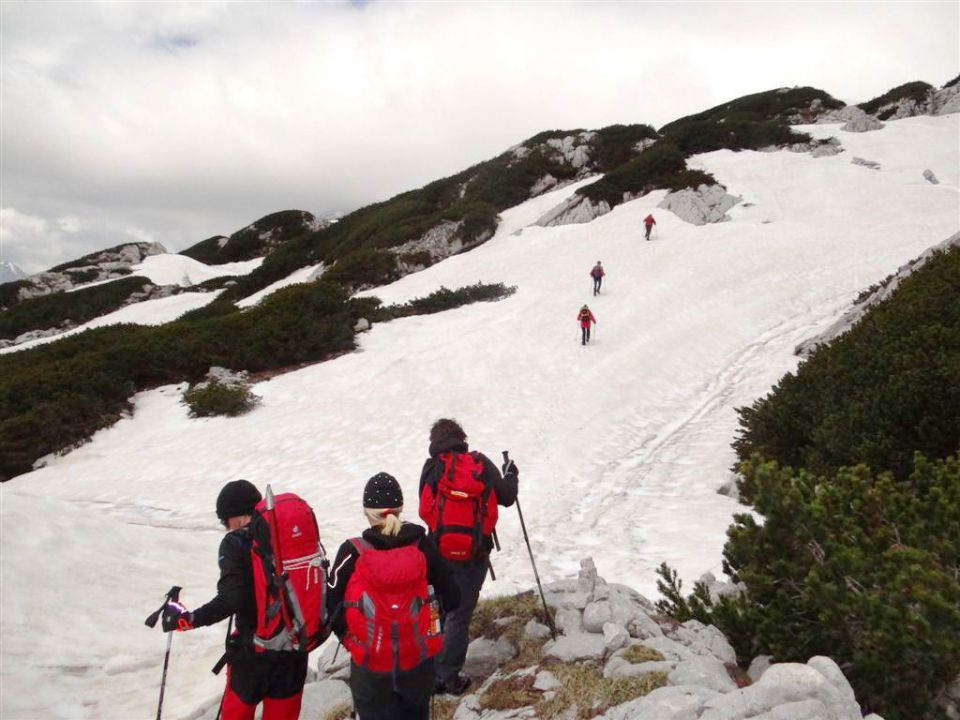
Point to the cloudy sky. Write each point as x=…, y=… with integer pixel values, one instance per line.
x=175, y=122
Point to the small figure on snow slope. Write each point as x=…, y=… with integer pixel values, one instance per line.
x=380, y=585
x=648, y=223
x=585, y=317
x=597, y=274
x=459, y=495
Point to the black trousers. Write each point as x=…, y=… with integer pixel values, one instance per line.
x=375, y=698
x=596, y=284
x=456, y=625
x=584, y=334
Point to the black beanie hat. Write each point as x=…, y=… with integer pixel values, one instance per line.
x=238, y=497
x=382, y=491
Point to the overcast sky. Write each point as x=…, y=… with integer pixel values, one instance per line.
x=175, y=122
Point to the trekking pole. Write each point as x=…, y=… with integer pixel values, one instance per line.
x=526, y=538
x=151, y=621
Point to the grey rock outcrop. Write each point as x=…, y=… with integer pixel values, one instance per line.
x=845, y=114
x=575, y=210
x=485, y=655
x=362, y=325
x=866, y=163
x=865, y=123
x=945, y=101
x=706, y=204
x=930, y=177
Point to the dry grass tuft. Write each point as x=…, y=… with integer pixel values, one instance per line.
x=585, y=687
x=443, y=708
x=341, y=711
x=640, y=654
x=510, y=693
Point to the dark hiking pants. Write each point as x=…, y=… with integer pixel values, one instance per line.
x=456, y=629
x=584, y=334
x=596, y=284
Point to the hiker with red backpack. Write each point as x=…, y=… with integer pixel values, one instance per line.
x=387, y=591
x=460, y=492
x=597, y=274
x=585, y=317
x=273, y=583
x=648, y=223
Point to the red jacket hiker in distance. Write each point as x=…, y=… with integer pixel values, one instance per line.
x=648, y=223
x=585, y=317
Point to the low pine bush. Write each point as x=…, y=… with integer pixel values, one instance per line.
x=213, y=397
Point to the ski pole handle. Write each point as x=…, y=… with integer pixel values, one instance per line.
x=506, y=459
x=174, y=595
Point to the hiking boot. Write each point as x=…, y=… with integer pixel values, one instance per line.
x=457, y=685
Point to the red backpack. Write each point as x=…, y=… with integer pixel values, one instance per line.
x=390, y=625
x=289, y=575
x=462, y=509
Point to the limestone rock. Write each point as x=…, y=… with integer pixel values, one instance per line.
x=865, y=123
x=781, y=684
x=535, y=631
x=841, y=115
x=546, y=183
x=705, y=640
x=706, y=204
x=574, y=648
x=332, y=659
x=945, y=101
x=568, y=621
x=484, y=656
x=930, y=177
x=758, y=666
x=866, y=163
x=362, y=325
x=546, y=680
x=320, y=696
x=832, y=672
x=802, y=710
x=643, y=626
x=719, y=588
x=614, y=636
x=576, y=209
x=704, y=672
x=667, y=703
x=587, y=578
x=619, y=667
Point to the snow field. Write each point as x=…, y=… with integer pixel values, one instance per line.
x=621, y=445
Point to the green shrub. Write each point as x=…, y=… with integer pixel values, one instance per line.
x=660, y=166
x=917, y=90
x=253, y=241
x=445, y=299
x=364, y=268
x=886, y=389
x=213, y=397
x=50, y=311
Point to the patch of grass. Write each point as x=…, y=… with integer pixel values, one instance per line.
x=585, y=687
x=510, y=693
x=340, y=711
x=523, y=608
x=443, y=708
x=637, y=654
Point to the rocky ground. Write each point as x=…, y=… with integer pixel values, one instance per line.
x=614, y=658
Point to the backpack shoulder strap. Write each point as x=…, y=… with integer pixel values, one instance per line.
x=361, y=545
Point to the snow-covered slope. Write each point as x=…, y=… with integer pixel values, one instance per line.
x=621, y=445
x=173, y=269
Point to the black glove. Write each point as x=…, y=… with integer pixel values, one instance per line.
x=176, y=617
x=510, y=468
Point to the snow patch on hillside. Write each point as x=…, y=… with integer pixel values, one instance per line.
x=174, y=269
x=303, y=275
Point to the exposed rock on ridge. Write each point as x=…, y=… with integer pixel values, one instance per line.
x=706, y=204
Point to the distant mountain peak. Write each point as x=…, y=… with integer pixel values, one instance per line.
x=10, y=272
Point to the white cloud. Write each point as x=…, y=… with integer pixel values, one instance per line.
x=190, y=120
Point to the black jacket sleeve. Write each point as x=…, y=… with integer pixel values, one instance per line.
x=438, y=575
x=504, y=485
x=232, y=587
x=430, y=475
x=340, y=573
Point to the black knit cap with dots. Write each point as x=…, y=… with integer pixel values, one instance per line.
x=382, y=491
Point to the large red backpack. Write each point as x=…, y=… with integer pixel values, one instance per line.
x=388, y=610
x=461, y=509
x=289, y=575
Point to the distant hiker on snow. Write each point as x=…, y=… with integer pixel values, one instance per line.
x=648, y=223
x=585, y=317
x=390, y=582
x=597, y=274
x=459, y=495
x=264, y=663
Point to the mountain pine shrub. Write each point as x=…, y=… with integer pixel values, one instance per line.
x=213, y=397
x=851, y=466
x=917, y=90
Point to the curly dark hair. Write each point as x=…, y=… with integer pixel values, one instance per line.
x=447, y=429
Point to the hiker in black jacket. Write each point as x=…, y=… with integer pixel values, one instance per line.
x=448, y=445
x=272, y=677
x=394, y=694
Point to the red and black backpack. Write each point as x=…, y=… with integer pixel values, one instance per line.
x=289, y=575
x=461, y=509
x=388, y=610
